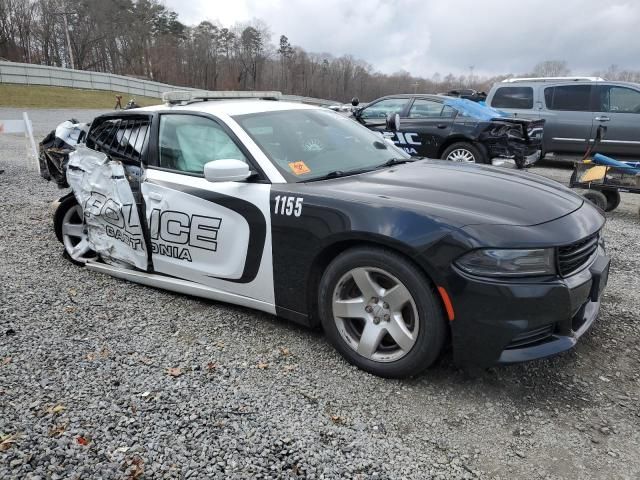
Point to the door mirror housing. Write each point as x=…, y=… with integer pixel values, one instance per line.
x=226, y=170
x=355, y=101
x=393, y=122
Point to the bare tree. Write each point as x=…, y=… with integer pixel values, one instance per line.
x=551, y=68
x=146, y=39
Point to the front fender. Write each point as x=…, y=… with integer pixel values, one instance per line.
x=304, y=246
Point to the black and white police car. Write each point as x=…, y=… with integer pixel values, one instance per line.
x=300, y=212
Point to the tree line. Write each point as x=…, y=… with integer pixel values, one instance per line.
x=143, y=38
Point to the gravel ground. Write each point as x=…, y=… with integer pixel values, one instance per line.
x=100, y=378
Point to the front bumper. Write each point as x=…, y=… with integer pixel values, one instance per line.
x=502, y=322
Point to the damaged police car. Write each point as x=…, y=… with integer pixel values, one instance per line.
x=457, y=129
x=300, y=212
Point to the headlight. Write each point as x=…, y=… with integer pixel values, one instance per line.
x=490, y=262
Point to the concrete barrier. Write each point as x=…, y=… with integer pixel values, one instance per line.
x=29, y=74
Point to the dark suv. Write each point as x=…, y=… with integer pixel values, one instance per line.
x=573, y=109
x=457, y=129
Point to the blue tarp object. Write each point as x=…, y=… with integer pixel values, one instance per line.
x=629, y=167
x=473, y=109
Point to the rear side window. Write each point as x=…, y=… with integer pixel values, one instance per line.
x=123, y=138
x=575, y=98
x=513, y=97
x=619, y=100
x=425, y=109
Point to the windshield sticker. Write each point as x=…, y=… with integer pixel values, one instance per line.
x=299, y=167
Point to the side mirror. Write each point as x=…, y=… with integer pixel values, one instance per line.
x=389, y=141
x=227, y=170
x=355, y=101
x=393, y=122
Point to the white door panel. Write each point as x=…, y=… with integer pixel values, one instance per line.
x=185, y=227
x=217, y=234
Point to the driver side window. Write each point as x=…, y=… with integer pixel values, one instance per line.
x=188, y=142
x=384, y=107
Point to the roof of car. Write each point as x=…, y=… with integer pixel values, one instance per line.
x=555, y=83
x=406, y=95
x=234, y=107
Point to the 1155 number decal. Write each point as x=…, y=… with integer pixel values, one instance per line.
x=286, y=205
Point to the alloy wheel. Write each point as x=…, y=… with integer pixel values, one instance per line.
x=461, y=155
x=375, y=314
x=75, y=237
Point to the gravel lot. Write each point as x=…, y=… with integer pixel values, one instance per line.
x=100, y=378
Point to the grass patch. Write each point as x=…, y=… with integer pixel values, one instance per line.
x=41, y=96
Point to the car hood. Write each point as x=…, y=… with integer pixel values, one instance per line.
x=459, y=193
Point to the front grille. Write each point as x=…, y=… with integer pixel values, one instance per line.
x=573, y=257
x=532, y=337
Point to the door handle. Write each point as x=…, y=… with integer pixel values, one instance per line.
x=155, y=196
x=603, y=119
x=442, y=125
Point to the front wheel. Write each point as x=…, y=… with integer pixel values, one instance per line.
x=463, y=152
x=380, y=313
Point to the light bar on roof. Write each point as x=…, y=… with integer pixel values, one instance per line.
x=176, y=96
x=190, y=95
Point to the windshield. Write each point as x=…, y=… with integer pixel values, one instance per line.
x=310, y=144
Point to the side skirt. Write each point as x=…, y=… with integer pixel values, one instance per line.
x=180, y=286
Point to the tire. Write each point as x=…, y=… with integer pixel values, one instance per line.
x=69, y=228
x=413, y=314
x=457, y=152
x=597, y=198
x=613, y=199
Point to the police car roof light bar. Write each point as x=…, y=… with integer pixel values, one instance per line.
x=180, y=96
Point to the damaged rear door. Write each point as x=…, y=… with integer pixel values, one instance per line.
x=105, y=176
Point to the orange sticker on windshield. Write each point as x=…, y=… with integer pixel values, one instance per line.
x=299, y=167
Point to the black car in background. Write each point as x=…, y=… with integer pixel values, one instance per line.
x=457, y=129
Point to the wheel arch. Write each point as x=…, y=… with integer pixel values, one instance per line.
x=330, y=251
x=59, y=213
x=459, y=139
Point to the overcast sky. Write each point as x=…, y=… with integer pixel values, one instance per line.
x=428, y=36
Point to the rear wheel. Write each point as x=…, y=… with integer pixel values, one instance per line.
x=71, y=231
x=597, y=198
x=613, y=199
x=380, y=313
x=463, y=152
